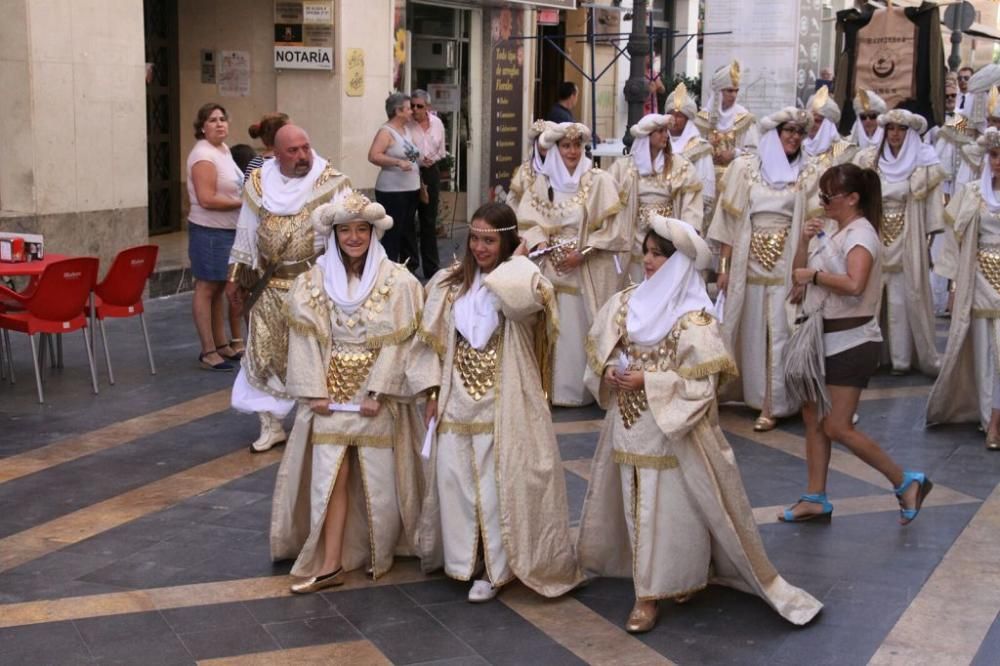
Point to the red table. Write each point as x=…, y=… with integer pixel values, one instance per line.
x=32, y=268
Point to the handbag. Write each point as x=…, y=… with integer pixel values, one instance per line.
x=805, y=364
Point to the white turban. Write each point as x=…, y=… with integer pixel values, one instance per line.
x=727, y=76
x=866, y=102
x=914, y=121
x=789, y=114
x=352, y=208
x=552, y=135
x=823, y=104
x=680, y=100
x=649, y=123
x=685, y=238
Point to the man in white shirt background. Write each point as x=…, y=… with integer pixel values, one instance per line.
x=427, y=131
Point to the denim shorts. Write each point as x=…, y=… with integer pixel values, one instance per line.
x=208, y=249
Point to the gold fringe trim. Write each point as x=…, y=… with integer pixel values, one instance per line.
x=614, y=209
x=396, y=337
x=766, y=281
x=458, y=428
x=646, y=462
x=428, y=339
x=375, y=441
x=573, y=291
x=724, y=365
x=302, y=327
x=731, y=209
x=696, y=186
x=983, y=313
x=894, y=268
x=596, y=365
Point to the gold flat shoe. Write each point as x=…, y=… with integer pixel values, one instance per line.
x=641, y=620
x=992, y=443
x=764, y=423
x=317, y=583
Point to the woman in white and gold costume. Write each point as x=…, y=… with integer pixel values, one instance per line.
x=666, y=506
x=524, y=174
x=655, y=181
x=971, y=356
x=495, y=480
x=348, y=489
x=570, y=214
x=686, y=140
x=763, y=201
x=824, y=144
x=912, y=208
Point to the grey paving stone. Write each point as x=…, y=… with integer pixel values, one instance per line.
x=54, y=642
x=577, y=446
x=228, y=642
x=442, y=590
x=497, y=632
x=292, y=607
x=203, y=618
x=378, y=604
x=989, y=651
x=414, y=640
x=312, y=631
x=166, y=650
x=112, y=628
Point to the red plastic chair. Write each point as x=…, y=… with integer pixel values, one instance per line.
x=55, y=306
x=119, y=294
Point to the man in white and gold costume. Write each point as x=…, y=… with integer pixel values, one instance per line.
x=654, y=181
x=764, y=199
x=866, y=131
x=824, y=143
x=348, y=489
x=666, y=506
x=969, y=154
x=275, y=244
x=686, y=140
x=571, y=213
x=524, y=174
x=728, y=125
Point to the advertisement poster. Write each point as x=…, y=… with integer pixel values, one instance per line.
x=399, y=45
x=508, y=79
x=303, y=34
x=234, y=73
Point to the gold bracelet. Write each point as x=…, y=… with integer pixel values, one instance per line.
x=433, y=394
x=953, y=287
x=234, y=270
x=723, y=265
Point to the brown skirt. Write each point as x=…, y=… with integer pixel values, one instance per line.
x=854, y=366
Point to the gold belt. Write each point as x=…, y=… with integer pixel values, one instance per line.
x=295, y=269
x=559, y=253
x=348, y=370
x=647, y=211
x=989, y=264
x=892, y=227
x=767, y=247
x=631, y=405
x=478, y=367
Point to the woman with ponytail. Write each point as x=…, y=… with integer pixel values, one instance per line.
x=842, y=280
x=265, y=129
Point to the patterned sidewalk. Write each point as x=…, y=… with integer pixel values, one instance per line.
x=134, y=530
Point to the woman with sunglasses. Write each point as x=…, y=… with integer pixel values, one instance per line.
x=763, y=202
x=866, y=131
x=842, y=279
x=970, y=357
x=655, y=182
x=912, y=207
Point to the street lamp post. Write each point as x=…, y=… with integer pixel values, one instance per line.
x=636, y=89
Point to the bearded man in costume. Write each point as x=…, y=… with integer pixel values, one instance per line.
x=728, y=126
x=274, y=244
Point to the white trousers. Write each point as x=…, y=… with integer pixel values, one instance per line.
x=470, y=506
x=899, y=336
x=763, y=336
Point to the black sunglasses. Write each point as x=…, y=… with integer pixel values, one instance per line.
x=418, y=106
x=868, y=116
x=825, y=198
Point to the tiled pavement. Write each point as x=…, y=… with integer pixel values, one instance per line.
x=134, y=528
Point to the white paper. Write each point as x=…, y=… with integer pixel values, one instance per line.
x=425, y=451
x=618, y=264
x=343, y=407
x=622, y=363
x=720, y=304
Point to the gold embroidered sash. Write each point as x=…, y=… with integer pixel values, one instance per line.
x=348, y=370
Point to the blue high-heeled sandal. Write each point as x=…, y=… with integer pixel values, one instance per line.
x=813, y=498
x=924, y=488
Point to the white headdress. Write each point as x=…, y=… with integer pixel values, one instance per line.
x=355, y=207
x=675, y=289
x=680, y=100
x=988, y=140
x=775, y=168
x=553, y=166
x=640, y=146
x=913, y=153
x=820, y=103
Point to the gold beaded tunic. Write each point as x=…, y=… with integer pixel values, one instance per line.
x=666, y=506
x=972, y=354
x=341, y=357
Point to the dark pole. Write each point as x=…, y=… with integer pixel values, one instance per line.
x=636, y=89
x=955, y=59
